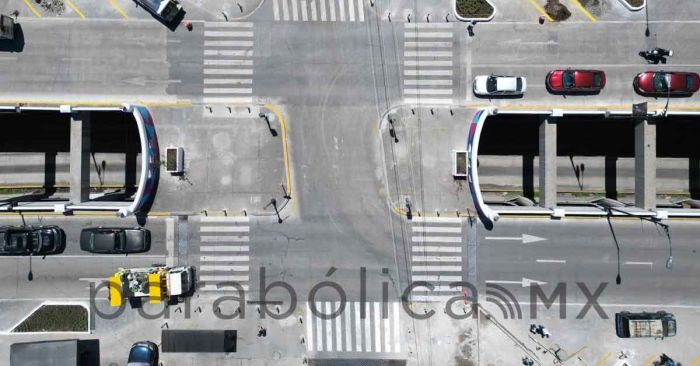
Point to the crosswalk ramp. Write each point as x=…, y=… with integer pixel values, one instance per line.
x=353, y=326
x=428, y=67
x=437, y=257
x=319, y=10
x=224, y=254
x=228, y=62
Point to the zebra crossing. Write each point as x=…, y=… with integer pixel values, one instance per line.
x=436, y=257
x=349, y=330
x=427, y=60
x=228, y=62
x=224, y=253
x=319, y=10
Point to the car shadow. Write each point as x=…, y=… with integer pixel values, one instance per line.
x=572, y=93
x=490, y=97
x=16, y=44
x=172, y=26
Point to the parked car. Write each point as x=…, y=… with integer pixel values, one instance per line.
x=575, y=81
x=144, y=353
x=494, y=85
x=115, y=240
x=41, y=240
x=663, y=83
x=634, y=325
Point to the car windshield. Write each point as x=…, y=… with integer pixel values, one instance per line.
x=140, y=354
x=596, y=80
x=491, y=84
x=660, y=83
x=519, y=84
x=568, y=79
x=689, y=82
x=23, y=241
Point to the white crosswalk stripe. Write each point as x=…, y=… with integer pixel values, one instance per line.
x=228, y=62
x=436, y=257
x=319, y=10
x=353, y=327
x=428, y=68
x=224, y=256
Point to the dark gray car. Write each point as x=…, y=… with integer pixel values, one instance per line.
x=115, y=240
x=41, y=240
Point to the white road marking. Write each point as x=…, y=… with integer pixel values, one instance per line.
x=170, y=241
x=222, y=248
x=327, y=324
x=351, y=10
x=431, y=298
x=438, y=219
x=428, y=248
x=358, y=328
x=436, y=268
x=551, y=261
x=436, y=239
x=232, y=34
x=309, y=324
x=338, y=329
x=227, y=90
x=210, y=62
x=377, y=327
x=427, y=25
x=397, y=337
x=360, y=10
x=285, y=15
x=304, y=11
x=427, y=53
x=322, y=5
x=427, y=44
x=228, y=43
x=341, y=6
x=227, y=81
x=228, y=24
x=223, y=268
x=428, y=35
x=224, y=278
x=223, y=288
x=417, y=101
x=435, y=258
x=428, y=91
x=237, y=53
x=230, y=100
x=428, y=63
x=224, y=219
x=387, y=331
x=319, y=327
x=224, y=229
x=348, y=329
x=223, y=238
x=224, y=258
x=276, y=9
x=331, y=6
x=639, y=263
x=314, y=17
x=437, y=278
x=429, y=82
x=228, y=72
x=295, y=17
x=368, y=330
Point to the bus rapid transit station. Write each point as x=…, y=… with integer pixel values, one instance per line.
x=544, y=124
x=130, y=132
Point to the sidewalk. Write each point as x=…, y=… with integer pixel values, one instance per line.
x=418, y=167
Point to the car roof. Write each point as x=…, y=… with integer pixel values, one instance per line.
x=104, y=240
x=507, y=83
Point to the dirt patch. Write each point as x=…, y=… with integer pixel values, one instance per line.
x=56, y=318
x=556, y=10
x=473, y=8
x=634, y=3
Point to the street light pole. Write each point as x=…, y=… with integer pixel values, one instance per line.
x=30, y=275
x=646, y=9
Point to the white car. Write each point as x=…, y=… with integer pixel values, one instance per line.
x=494, y=85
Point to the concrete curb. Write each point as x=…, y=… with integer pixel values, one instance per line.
x=487, y=19
x=633, y=8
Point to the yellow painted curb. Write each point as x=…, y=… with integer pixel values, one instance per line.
x=179, y=103
x=541, y=10
x=604, y=360
x=578, y=5
x=283, y=124
x=548, y=107
x=120, y=10
x=75, y=9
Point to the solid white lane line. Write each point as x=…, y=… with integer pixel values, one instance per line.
x=224, y=229
x=436, y=249
x=329, y=329
x=397, y=328
x=341, y=7
x=228, y=24
x=227, y=81
x=428, y=35
x=319, y=327
x=437, y=278
x=224, y=248
x=338, y=329
x=224, y=258
x=427, y=101
x=427, y=53
x=228, y=34
x=428, y=63
x=295, y=17
x=232, y=100
x=377, y=326
x=276, y=9
x=358, y=328
x=228, y=72
x=348, y=328
x=304, y=11
x=435, y=258
x=436, y=239
x=223, y=268
x=428, y=91
x=228, y=43
x=224, y=278
x=368, y=330
x=228, y=90
x=443, y=220
x=436, y=229
x=210, y=62
x=351, y=10
x=309, y=319
x=639, y=263
x=429, y=82
x=426, y=44
x=224, y=238
x=427, y=25
x=436, y=268
x=550, y=261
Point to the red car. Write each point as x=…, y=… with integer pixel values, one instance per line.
x=656, y=83
x=567, y=81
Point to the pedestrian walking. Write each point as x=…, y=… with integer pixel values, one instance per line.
x=262, y=332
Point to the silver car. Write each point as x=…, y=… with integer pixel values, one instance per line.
x=495, y=85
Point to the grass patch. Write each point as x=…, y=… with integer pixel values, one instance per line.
x=474, y=8
x=55, y=318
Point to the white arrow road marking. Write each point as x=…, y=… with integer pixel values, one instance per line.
x=526, y=239
x=525, y=282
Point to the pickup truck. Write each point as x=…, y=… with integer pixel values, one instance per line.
x=635, y=325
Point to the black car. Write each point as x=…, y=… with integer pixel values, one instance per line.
x=144, y=353
x=41, y=240
x=115, y=240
